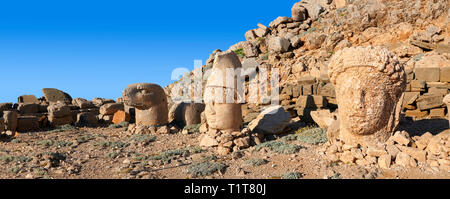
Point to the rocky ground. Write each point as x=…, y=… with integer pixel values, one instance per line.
x=105, y=153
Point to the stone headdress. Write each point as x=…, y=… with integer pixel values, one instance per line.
x=380, y=58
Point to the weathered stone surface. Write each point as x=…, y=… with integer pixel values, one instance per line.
x=186, y=113
x=27, y=99
x=429, y=101
x=2, y=124
x=242, y=143
x=280, y=20
x=208, y=141
x=10, y=118
x=445, y=74
x=59, y=121
x=427, y=74
x=250, y=50
x=111, y=108
x=272, y=120
x=392, y=150
x=347, y=157
x=340, y=3
x=121, y=116
x=369, y=83
x=403, y=159
x=375, y=151
x=250, y=35
x=27, y=123
x=54, y=95
x=410, y=97
x=313, y=7
x=384, y=161
x=417, y=85
x=418, y=154
x=5, y=107
x=87, y=119
x=163, y=130
x=98, y=102
x=28, y=108
x=437, y=113
x=150, y=102
x=327, y=90
x=446, y=100
x=323, y=118
x=299, y=13
x=416, y=113
x=262, y=30
x=279, y=44
x=59, y=114
x=314, y=40
x=83, y=103
x=59, y=110
x=305, y=102
x=401, y=138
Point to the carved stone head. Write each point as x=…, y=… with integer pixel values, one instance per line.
x=150, y=102
x=369, y=83
x=144, y=95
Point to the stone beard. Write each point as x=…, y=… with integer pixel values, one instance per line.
x=368, y=95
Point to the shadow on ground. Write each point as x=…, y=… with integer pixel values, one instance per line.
x=419, y=127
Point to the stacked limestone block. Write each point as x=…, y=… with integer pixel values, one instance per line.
x=428, y=83
x=306, y=95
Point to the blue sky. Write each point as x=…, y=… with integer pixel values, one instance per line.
x=96, y=48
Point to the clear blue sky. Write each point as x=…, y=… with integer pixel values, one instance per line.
x=96, y=48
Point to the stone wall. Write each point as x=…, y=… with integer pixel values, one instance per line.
x=425, y=92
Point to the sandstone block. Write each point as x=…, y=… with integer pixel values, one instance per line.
x=401, y=139
x=111, y=108
x=445, y=74
x=83, y=103
x=279, y=44
x=272, y=120
x=403, y=159
x=55, y=95
x=418, y=154
x=27, y=123
x=28, y=108
x=207, y=141
x=427, y=74
x=384, y=161
x=10, y=118
x=375, y=151
x=121, y=116
x=416, y=113
x=29, y=99
x=437, y=113
x=98, y=102
x=87, y=119
x=323, y=118
x=426, y=102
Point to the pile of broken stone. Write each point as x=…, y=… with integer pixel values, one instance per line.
x=55, y=108
x=367, y=84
